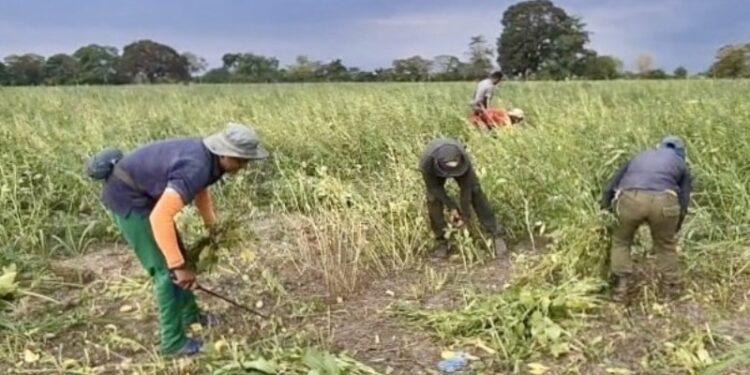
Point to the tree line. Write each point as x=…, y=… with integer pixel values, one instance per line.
x=539, y=41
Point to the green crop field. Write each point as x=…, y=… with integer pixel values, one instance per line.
x=330, y=234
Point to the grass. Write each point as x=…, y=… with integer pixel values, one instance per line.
x=343, y=184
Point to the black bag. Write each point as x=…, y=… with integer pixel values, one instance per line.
x=101, y=165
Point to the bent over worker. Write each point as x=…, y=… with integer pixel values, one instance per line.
x=446, y=158
x=144, y=193
x=653, y=187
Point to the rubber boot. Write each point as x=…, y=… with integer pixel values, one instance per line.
x=441, y=250
x=671, y=287
x=621, y=294
x=501, y=249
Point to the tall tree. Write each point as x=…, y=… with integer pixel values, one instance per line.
x=149, y=61
x=97, y=64
x=412, y=69
x=248, y=67
x=303, y=69
x=680, y=72
x=61, y=69
x=447, y=68
x=480, y=58
x=732, y=61
x=196, y=64
x=537, y=34
x=333, y=71
x=25, y=69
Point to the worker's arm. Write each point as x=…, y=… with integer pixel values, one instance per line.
x=163, y=226
x=609, y=191
x=467, y=183
x=436, y=188
x=206, y=208
x=686, y=187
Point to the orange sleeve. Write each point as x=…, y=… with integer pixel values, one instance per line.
x=162, y=224
x=206, y=207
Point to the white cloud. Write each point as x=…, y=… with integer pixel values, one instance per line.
x=627, y=29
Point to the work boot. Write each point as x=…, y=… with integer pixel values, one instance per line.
x=191, y=348
x=621, y=294
x=671, y=287
x=501, y=249
x=441, y=250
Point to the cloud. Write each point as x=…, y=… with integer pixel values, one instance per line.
x=673, y=32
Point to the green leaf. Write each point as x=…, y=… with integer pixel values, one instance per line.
x=554, y=331
x=262, y=365
x=8, y=285
x=322, y=362
x=559, y=349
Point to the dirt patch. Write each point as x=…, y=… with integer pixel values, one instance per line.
x=104, y=263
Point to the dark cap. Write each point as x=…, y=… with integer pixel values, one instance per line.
x=450, y=161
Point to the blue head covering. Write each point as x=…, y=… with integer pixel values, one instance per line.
x=676, y=144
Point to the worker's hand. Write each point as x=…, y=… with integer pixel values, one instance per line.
x=184, y=278
x=456, y=219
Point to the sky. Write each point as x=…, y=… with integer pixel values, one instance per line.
x=365, y=33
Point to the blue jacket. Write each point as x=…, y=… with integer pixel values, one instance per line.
x=659, y=169
x=183, y=164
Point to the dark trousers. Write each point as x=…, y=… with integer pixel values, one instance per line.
x=481, y=206
x=661, y=211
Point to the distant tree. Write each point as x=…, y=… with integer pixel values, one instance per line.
x=218, y=75
x=385, y=74
x=412, y=69
x=480, y=58
x=303, y=69
x=4, y=75
x=358, y=75
x=536, y=35
x=655, y=74
x=732, y=61
x=333, y=71
x=25, y=69
x=196, y=64
x=248, y=67
x=448, y=68
x=680, y=73
x=601, y=67
x=97, y=64
x=644, y=64
x=149, y=61
x=61, y=69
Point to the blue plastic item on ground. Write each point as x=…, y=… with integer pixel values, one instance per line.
x=453, y=364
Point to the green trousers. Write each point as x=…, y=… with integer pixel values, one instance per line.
x=176, y=307
x=661, y=211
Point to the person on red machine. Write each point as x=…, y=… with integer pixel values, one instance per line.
x=483, y=113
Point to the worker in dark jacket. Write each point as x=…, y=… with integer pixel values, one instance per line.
x=446, y=158
x=653, y=187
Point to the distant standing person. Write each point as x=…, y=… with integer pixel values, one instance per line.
x=446, y=158
x=653, y=187
x=483, y=94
